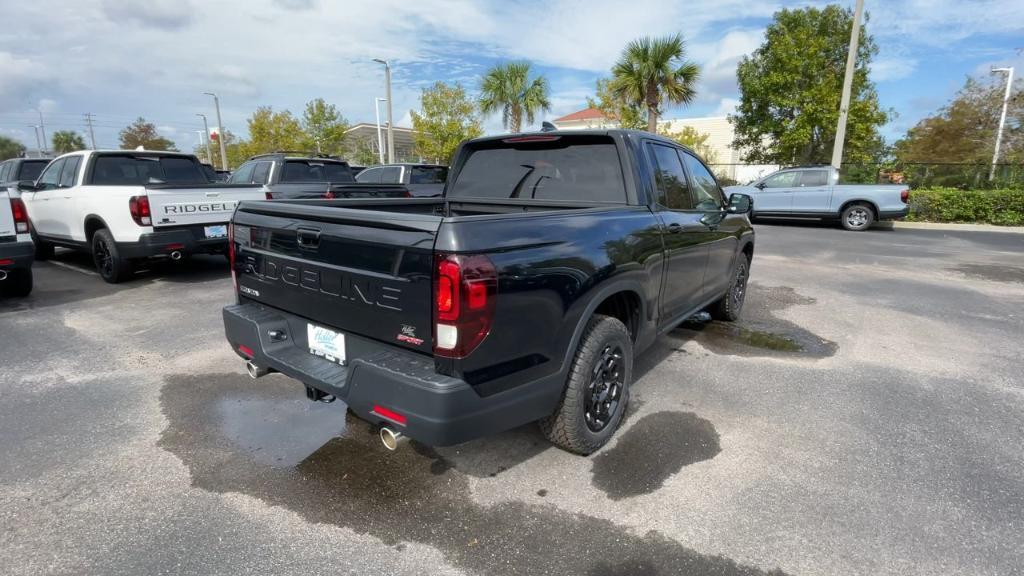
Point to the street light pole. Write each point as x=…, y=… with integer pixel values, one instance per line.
x=220, y=133
x=39, y=146
x=387, y=85
x=380, y=139
x=1002, y=118
x=200, y=134
x=209, y=157
x=42, y=128
x=844, y=102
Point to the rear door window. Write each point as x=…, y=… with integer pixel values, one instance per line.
x=261, y=173
x=669, y=178
x=391, y=175
x=70, y=172
x=577, y=168
x=244, y=174
x=813, y=178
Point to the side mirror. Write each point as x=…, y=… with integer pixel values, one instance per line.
x=760, y=186
x=27, y=185
x=740, y=204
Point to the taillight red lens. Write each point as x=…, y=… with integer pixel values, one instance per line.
x=268, y=195
x=464, y=292
x=139, y=207
x=329, y=194
x=20, y=216
x=904, y=196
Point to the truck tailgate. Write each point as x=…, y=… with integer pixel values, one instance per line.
x=183, y=206
x=363, y=272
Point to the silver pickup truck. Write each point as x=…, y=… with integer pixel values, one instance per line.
x=814, y=192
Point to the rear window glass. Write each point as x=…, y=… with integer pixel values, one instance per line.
x=313, y=171
x=428, y=175
x=32, y=170
x=142, y=170
x=583, y=169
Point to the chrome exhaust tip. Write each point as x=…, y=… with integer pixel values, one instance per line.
x=390, y=438
x=176, y=255
x=255, y=371
x=3, y=274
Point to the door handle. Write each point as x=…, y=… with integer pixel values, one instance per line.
x=675, y=228
x=307, y=238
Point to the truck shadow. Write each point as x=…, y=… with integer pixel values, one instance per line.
x=262, y=439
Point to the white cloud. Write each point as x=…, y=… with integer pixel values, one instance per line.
x=886, y=69
x=726, y=106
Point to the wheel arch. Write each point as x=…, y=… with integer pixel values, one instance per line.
x=92, y=224
x=865, y=201
x=612, y=297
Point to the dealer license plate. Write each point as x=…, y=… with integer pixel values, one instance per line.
x=325, y=343
x=216, y=231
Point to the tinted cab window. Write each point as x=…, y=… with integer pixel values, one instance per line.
x=670, y=178
x=30, y=170
x=139, y=170
x=391, y=175
x=428, y=175
x=315, y=171
x=577, y=168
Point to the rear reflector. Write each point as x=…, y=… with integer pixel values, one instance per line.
x=6, y=262
x=245, y=350
x=390, y=415
x=175, y=246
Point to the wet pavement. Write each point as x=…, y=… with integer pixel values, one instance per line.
x=863, y=417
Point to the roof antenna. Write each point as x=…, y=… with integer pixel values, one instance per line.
x=546, y=126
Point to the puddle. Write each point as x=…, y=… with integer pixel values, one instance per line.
x=651, y=451
x=992, y=272
x=759, y=332
x=402, y=496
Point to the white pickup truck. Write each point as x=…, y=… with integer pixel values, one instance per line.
x=815, y=192
x=15, y=246
x=123, y=206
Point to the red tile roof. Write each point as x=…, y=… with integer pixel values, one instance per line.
x=587, y=114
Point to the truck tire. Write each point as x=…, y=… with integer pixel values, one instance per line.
x=597, y=390
x=857, y=217
x=109, y=263
x=44, y=250
x=728, y=308
x=18, y=283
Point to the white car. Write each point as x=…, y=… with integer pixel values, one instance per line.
x=125, y=205
x=15, y=246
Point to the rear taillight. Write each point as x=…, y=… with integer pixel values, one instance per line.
x=139, y=207
x=20, y=216
x=329, y=194
x=904, y=195
x=465, y=288
x=268, y=195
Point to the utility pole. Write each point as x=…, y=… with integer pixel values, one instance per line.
x=209, y=157
x=220, y=133
x=844, y=103
x=387, y=84
x=39, y=145
x=1002, y=118
x=380, y=139
x=42, y=128
x=88, y=122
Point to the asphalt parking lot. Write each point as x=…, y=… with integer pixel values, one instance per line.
x=865, y=417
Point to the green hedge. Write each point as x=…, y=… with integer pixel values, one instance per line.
x=1004, y=207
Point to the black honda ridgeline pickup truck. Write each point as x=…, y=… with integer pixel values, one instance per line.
x=524, y=293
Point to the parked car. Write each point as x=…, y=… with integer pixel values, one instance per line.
x=21, y=170
x=523, y=294
x=815, y=192
x=421, y=179
x=285, y=176
x=214, y=175
x=15, y=245
x=123, y=206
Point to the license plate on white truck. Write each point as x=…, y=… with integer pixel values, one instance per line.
x=326, y=343
x=220, y=231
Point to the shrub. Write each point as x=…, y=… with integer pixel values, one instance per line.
x=1003, y=207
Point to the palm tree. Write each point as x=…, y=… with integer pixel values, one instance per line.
x=653, y=71
x=67, y=141
x=507, y=87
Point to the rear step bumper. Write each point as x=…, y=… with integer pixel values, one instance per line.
x=439, y=410
x=186, y=239
x=21, y=254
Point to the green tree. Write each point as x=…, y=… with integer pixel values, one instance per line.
x=142, y=133
x=237, y=151
x=790, y=89
x=508, y=87
x=652, y=72
x=10, y=148
x=447, y=117
x=271, y=131
x=626, y=114
x=67, y=141
x=964, y=130
x=362, y=151
x=693, y=139
x=324, y=127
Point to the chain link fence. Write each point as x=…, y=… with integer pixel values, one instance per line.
x=965, y=176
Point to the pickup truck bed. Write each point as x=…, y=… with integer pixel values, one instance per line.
x=446, y=319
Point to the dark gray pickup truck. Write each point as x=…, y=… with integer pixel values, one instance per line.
x=523, y=294
x=287, y=176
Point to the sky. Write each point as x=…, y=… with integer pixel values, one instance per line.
x=121, y=59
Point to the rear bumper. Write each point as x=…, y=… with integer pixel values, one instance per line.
x=186, y=239
x=21, y=254
x=439, y=410
x=893, y=214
